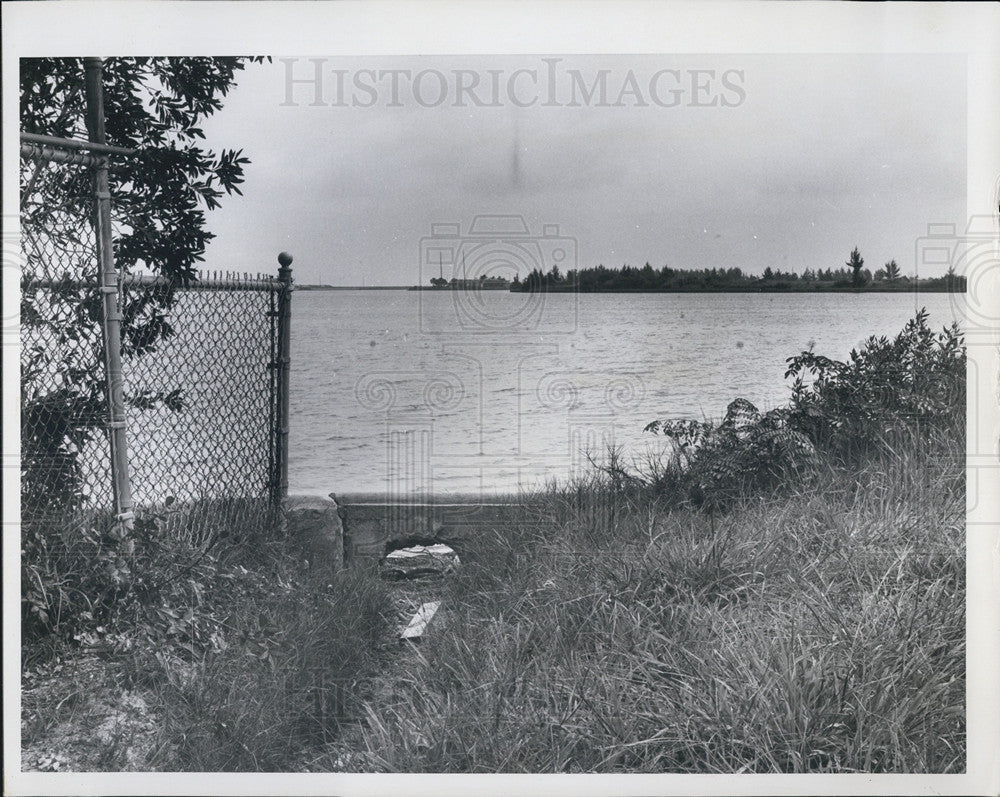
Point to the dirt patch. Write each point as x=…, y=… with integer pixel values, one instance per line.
x=76, y=719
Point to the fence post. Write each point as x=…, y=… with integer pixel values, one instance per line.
x=284, y=371
x=111, y=327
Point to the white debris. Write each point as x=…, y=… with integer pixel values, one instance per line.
x=419, y=560
x=418, y=624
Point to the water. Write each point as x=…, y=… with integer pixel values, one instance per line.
x=446, y=392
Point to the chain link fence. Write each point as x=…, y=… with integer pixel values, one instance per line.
x=65, y=459
x=201, y=373
x=201, y=402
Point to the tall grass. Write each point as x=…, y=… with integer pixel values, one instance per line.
x=819, y=632
x=613, y=626
x=286, y=682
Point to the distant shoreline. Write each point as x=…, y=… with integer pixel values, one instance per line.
x=352, y=287
x=921, y=286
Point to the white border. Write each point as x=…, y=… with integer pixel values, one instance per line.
x=83, y=27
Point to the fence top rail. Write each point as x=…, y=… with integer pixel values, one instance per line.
x=228, y=283
x=41, y=152
x=74, y=144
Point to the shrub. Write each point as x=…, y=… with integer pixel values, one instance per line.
x=890, y=394
x=748, y=452
x=913, y=384
x=80, y=572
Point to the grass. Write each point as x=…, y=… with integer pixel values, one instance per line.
x=622, y=623
x=818, y=631
x=596, y=628
x=193, y=651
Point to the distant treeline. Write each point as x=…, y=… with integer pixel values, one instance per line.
x=853, y=277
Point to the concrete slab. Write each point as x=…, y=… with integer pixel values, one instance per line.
x=314, y=525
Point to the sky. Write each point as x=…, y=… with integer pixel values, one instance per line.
x=692, y=161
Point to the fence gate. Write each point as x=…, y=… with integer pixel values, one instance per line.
x=135, y=389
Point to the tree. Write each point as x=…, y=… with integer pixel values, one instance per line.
x=856, y=263
x=159, y=198
x=154, y=105
x=892, y=271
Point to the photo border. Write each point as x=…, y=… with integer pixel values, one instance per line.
x=388, y=28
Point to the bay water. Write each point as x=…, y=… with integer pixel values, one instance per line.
x=421, y=393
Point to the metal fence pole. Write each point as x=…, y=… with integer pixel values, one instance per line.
x=109, y=289
x=284, y=370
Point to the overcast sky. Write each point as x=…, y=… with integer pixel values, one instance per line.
x=692, y=161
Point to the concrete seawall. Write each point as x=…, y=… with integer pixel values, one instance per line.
x=371, y=522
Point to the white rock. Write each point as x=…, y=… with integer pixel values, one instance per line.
x=419, y=560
